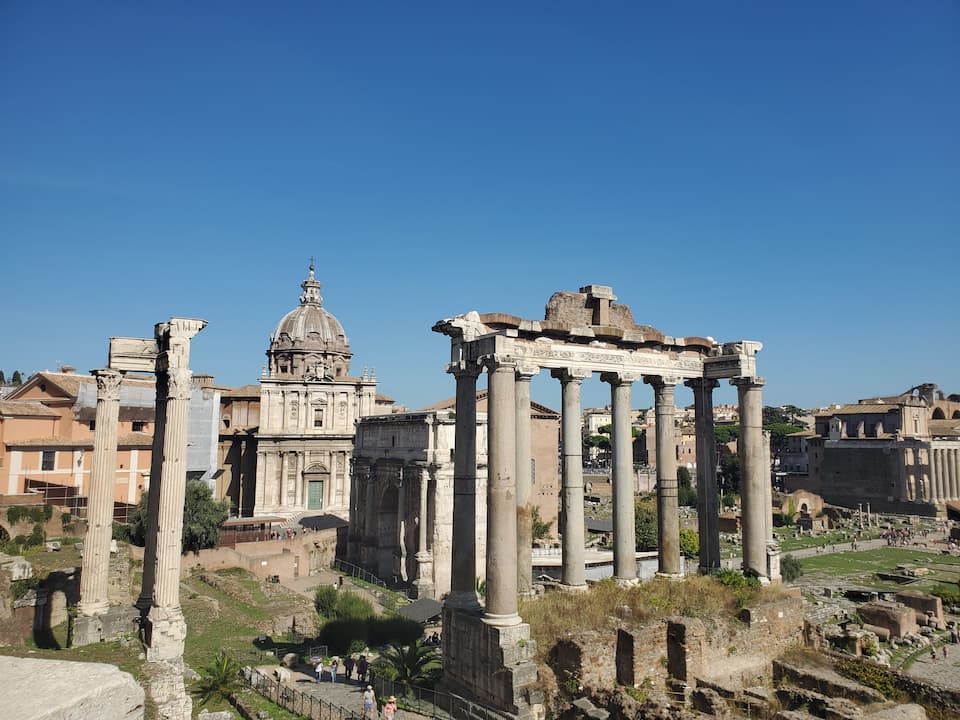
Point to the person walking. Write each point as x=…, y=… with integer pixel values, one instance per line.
x=333, y=669
x=348, y=664
x=369, y=704
x=319, y=670
x=362, y=669
x=390, y=709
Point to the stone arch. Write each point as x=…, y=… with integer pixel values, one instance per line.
x=939, y=414
x=956, y=415
x=388, y=533
x=316, y=479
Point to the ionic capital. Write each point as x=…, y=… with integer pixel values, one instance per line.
x=748, y=382
x=661, y=381
x=526, y=373
x=493, y=363
x=701, y=384
x=571, y=375
x=108, y=383
x=620, y=377
x=464, y=369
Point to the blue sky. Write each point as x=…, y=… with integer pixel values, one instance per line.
x=785, y=172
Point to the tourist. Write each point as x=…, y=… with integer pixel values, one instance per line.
x=348, y=664
x=362, y=668
x=945, y=652
x=933, y=654
x=369, y=704
x=319, y=670
x=333, y=669
x=390, y=709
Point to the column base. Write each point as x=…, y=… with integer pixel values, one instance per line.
x=669, y=575
x=501, y=620
x=164, y=632
x=626, y=582
x=92, y=609
x=423, y=589
x=563, y=587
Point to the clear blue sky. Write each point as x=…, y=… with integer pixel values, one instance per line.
x=785, y=172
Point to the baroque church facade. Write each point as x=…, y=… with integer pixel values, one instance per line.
x=302, y=429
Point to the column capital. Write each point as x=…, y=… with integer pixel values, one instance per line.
x=747, y=382
x=108, y=383
x=181, y=328
x=572, y=374
x=525, y=373
x=620, y=377
x=464, y=369
x=494, y=362
x=178, y=383
x=702, y=383
x=661, y=381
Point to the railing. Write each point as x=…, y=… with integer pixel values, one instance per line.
x=357, y=572
x=296, y=701
x=431, y=703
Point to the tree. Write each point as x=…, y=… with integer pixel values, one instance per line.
x=726, y=433
x=689, y=543
x=324, y=600
x=540, y=529
x=219, y=679
x=202, y=517
x=686, y=495
x=17, y=378
x=730, y=473
x=413, y=664
x=790, y=568
x=645, y=528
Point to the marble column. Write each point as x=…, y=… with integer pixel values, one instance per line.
x=424, y=584
x=525, y=507
x=166, y=627
x=402, y=525
x=463, y=577
x=954, y=480
x=573, y=563
x=501, y=573
x=96, y=544
x=707, y=495
x=624, y=518
x=668, y=512
x=752, y=491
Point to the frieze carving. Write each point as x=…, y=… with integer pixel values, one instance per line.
x=553, y=353
x=108, y=384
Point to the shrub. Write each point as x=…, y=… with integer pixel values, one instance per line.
x=339, y=635
x=392, y=630
x=324, y=599
x=350, y=606
x=19, y=588
x=872, y=675
x=689, y=543
x=949, y=594
x=36, y=536
x=15, y=513
x=790, y=568
x=65, y=520
x=37, y=514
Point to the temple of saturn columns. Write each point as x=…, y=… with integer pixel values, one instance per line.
x=162, y=623
x=490, y=655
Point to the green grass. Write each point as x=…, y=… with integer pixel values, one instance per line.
x=788, y=543
x=862, y=567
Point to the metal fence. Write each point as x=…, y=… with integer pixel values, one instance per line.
x=294, y=700
x=422, y=701
x=357, y=572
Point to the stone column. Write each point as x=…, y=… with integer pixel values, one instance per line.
x=463, y=578
x=145, y=601
x=96, y=545
x=424, y=584
x=752, y=490
x=501, y=573
x=668, y=520
x=402, y=524
x=525, y=508
x=624, y=519
x=952, y=463
x=573, y=569
x=368, y=551
x=707, y=496
x=166, y=628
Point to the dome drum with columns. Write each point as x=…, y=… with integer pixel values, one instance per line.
x=309, y=342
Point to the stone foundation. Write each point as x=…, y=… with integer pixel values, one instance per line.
x=164, y=683
x=492, y=664
x=111, y=625
x=164, y=634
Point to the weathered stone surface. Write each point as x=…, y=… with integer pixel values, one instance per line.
x=60, y=690
x=709, y=701
x=222, y=715
x=826, y=682
x=899, y=619
x=900, y=712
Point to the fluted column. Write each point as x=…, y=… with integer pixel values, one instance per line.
x=402, y=525
x=424, y=582
x=624, y=518
x=501, y=575
x=954, y=479
x=167, y=628
x=707, y=496
x=525, y=507
x=573, y=568
x=752, y=492
x=463, y=578
x=668, y=520
x=94, y=599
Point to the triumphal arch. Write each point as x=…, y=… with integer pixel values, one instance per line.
x=487, y=650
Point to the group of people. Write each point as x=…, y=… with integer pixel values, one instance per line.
x=369, y=706
x=361, y=665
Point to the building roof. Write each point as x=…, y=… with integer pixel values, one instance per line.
x=421, y=610
x=25, y=408
x=135, y=439
x=944, y=428
x=242, y=391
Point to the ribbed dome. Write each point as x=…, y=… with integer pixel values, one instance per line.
x=309, y=342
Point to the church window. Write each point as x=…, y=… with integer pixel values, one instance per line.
x=318, y=417
x=48, y=459
x=92, y=424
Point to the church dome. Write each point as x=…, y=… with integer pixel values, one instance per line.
x=309, y=343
